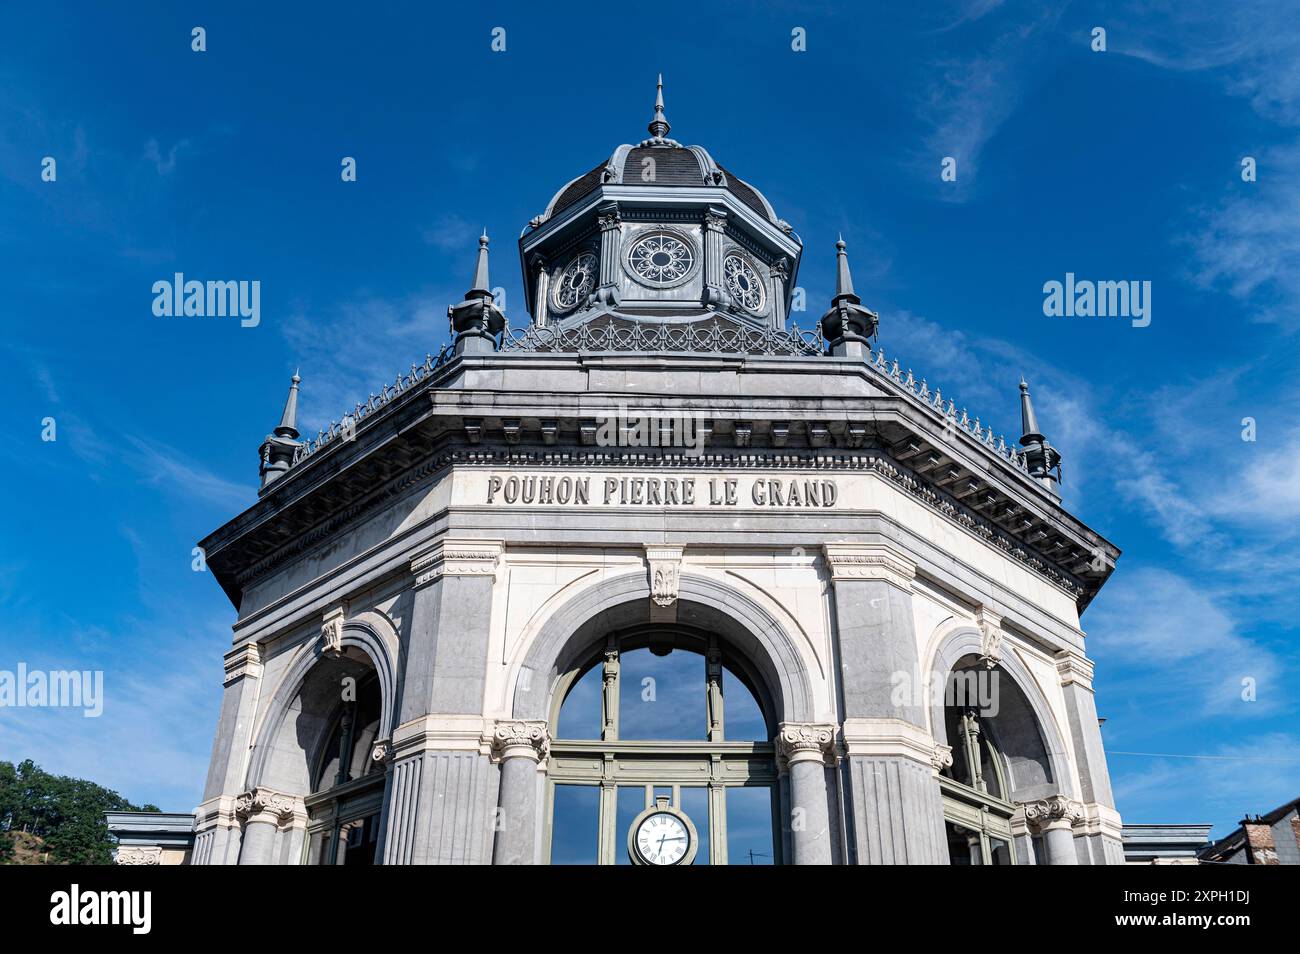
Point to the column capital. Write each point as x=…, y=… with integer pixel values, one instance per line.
x=138, y=855
x=942, y=757
x=805, y=741
x=457, y=558
x=869, y=561
x=1054, y=811
x=245, y=660
x=520, y=739
x=268, y=805
x=1074, y=667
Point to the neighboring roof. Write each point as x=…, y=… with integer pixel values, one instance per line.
x=1236, y=839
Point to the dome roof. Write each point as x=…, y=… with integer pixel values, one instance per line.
x=673, y=165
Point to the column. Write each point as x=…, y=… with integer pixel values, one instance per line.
x=1105, y=829
x=442, y=788
x=611, y=235
x=780, y=275
x=541, y=296
x=804, y=749
x=216, y=829
x=1054, y=818
x=267, y=815
x=894, y=809
x=519, y=747
x=715, y=287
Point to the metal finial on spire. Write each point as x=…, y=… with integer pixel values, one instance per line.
x=659, y=126
x=481, y=283
x=1028, y=420
x=288, y=426
x=843, y=279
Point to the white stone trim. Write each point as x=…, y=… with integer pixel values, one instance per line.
x=450, y=557
x=877, y=737
x=869, y=561
x=245, y=660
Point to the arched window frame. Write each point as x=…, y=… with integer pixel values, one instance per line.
x=971, y=806
x=339, y=808
x=610, y=762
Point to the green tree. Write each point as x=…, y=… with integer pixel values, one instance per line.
x=66, y=813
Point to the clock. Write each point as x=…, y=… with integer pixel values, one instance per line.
x=662, y=836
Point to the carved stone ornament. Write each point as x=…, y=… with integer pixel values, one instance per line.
x=1053, y=809
x=139, y=855
x=990, y=643
x=851, y=561
x=942, y=757
x=805, y=741
x=457, y=558
x=265, y=801
x=382, y=751
x=521, y=739
x=331, y=636
x=665, y=573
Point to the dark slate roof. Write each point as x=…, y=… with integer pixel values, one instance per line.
x=579, y=187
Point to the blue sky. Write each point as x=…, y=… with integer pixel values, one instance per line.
x=225, y=164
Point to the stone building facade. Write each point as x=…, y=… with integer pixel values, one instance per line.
x=658, y=579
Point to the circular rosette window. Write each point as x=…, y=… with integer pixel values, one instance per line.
x=575, y=282
x=661, y=260
x=743, y=284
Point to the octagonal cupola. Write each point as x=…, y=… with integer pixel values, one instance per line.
x=659, y=232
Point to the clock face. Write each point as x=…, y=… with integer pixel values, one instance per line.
x=662, y=839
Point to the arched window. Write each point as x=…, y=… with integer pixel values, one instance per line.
x=976, y=810
x=662, y=755
x=347, y=784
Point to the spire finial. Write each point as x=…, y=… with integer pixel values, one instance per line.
x=843, y=279
x=1028, y=420
x=659, y=126
x=481, y=283
x=288, y=426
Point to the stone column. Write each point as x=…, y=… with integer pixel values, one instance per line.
x=895, y=814
x=541, y=296
x=265, y=813
x=519, y=747
x=442, y=786
x=804, y=748
x=1054, y=818
x=1105, y=829
x=715, y=287
x=611, y=236
x=780, y=275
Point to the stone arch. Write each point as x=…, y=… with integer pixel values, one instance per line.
x=1032, y=744
x=299, y=714
x=623, y=601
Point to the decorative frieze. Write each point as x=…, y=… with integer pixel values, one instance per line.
x=457, y=558
x=521, y=739
x=869, y=561
x=138, y=855
x=805, y=741
x=665, y=573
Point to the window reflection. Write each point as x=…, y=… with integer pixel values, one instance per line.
x=661, y=697
x=744, y=719
x=575, y=833
x=749, y=826
x=580, y=714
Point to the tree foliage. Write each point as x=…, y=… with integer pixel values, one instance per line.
x=66, y=813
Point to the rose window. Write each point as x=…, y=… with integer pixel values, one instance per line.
x=743, y=283
x=661, y=259
x=575, y=282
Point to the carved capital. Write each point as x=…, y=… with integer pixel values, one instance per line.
x=805, y=741
x=1074, y=668
x=869, y=561
x=265, y=804
x=457, y=558
x=138, y=855
x=1053, y=811
x=665, y=573
x=942, y=757
x=382, y=751
x=243, y=661
x=521, y=739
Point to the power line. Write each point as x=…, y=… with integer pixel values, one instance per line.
x=1233, y=758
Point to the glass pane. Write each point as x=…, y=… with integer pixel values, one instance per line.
x=358, y=840
x=318, y=844
x=575, y=825
x=963, y=845
x=662, y=697
x=695, y=803
x=999, y=852
x=580, y=713
x=749, y=826
x=631, y=802
x=742, y=719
